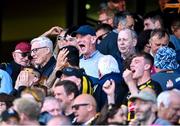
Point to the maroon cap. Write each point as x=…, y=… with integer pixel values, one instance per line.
x=23, y=47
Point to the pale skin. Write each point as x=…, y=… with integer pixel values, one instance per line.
x=54, y=31
x=109, y=89
x=60, y=64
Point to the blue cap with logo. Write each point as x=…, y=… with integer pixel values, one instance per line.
x=84, y=30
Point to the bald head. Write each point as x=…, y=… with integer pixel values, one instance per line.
x=85, y=98
x=58, y=121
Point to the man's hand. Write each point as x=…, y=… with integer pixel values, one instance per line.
x=22, y=79
x=62, y=59
x=54, y=31
x=127, y=75
x=109, y=87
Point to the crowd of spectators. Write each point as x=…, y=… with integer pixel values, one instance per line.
x=124, y=71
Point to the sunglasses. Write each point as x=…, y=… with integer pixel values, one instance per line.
x=61, y=38
x=24, y=54
x=76, y=107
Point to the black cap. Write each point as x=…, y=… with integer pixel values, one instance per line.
x=69, y=71
x=8, y=114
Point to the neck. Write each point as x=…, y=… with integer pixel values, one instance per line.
x=146, y=76
x=46, y=61
x=88, y=55
x=150, y=120
x=68, y=109
x=128, y=54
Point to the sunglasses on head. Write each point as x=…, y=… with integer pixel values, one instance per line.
x=76, y=107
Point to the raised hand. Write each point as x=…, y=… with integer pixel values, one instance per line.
x=109, y=87
x=62, y=59
x=54, y=31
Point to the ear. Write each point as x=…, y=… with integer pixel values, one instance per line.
x=48, y=51
x=90, y=108
x=147, y=67
x=93, y=39
x=14, y=55
x=154, y=108
x=71, y=96
x=134, y=42
x=157, y=25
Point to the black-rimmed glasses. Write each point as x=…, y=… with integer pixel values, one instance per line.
x=76, y=107
x=36, y=49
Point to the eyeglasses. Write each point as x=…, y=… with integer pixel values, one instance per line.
x=101, y=37
x=36, y=49
x=76, y=107
x=24, y=54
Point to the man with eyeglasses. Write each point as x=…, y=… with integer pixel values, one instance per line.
x=20, y=60
x=84, y=108
x=42, y=56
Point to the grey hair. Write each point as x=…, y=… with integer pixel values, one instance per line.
x=44, y=42
x=109, y=61
x=164, y=97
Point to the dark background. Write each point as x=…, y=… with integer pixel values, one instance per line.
x=26, y=19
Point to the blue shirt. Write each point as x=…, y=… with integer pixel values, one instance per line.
x=90, y=65
x=5, y=82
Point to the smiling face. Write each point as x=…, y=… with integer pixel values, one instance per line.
x=60, y=94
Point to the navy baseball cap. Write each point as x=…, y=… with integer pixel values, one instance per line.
x=84, y=30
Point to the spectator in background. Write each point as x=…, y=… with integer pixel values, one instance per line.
x=143, y=41
x=169, y=106
x=5, y=102
x=6, y=85
x=127, y=40
x=175, y=37
x=124, y=20
x=9, y=117
x=145, y=109
x=106, y=16
x=66, y=91
x=52, y=106
x=166, y=68
x=42, y=56
x=106, y=42
x=84, y=109
x=59, y=121
x=153, y=21
x=28, y=111
x=118, y=5
x=158, y=38
x=107, y=73
x=20, y=59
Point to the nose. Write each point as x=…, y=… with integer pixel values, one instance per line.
x=55, y=113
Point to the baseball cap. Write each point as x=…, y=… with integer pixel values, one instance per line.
x=23, y=47
x=69, y=71
x=9, y=113
x=165, y=58
x=84, y=30
x=145, y=96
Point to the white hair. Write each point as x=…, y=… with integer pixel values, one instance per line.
x=108, y=64
x=44, y=42
x=164, y=97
